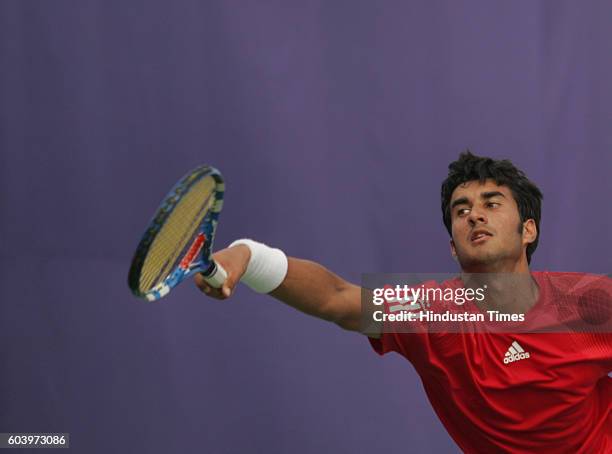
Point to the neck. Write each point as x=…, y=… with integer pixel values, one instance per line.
x=508, y=266
x=505, y=291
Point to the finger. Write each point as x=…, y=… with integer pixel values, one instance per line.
x=229, y=285
x=206, y=288
x=201, y=283
x=226, y=291
x=216, y=293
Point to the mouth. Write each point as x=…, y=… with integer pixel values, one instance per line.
x=480, y=236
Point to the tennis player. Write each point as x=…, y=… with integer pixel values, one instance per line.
x=515, y=393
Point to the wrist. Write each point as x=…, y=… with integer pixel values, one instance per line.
x=266, y=267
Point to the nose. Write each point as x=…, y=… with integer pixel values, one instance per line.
x=476, y=217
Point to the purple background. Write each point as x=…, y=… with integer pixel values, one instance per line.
x=333, y=122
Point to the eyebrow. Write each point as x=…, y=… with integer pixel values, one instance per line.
x=484, y=195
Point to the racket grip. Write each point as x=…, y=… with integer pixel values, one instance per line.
x=215, y=277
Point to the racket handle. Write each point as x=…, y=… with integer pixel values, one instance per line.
x=216, y=276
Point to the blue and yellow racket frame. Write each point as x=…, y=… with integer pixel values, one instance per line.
x=196, y=257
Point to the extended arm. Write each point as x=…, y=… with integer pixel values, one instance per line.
x=314, y=290
x=308, y=287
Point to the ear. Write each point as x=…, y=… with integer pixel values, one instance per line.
x=452, y=249
x=530, y=231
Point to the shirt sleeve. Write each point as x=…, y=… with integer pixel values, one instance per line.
x=402, y=337
x=384, y=344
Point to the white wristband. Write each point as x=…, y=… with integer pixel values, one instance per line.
x=267, y=267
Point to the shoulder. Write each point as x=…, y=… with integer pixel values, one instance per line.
x=582, y=300
x=566, y=281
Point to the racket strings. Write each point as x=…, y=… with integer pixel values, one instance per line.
x=176, y=234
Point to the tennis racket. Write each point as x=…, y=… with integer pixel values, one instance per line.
x=178, y=241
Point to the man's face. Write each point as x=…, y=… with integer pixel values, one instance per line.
x=485, y=228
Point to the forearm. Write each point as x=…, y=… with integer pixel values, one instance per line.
x=314, y=290
x=302, y=284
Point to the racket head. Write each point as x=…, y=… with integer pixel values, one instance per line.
x=178, y=241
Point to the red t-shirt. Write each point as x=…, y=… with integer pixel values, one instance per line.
x=555, y=397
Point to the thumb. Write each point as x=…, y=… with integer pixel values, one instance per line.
x=228, y=286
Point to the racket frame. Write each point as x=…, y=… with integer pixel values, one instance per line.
x=201, y=262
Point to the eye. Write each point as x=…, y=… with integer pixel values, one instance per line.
x=462, y=211
x=493, y=204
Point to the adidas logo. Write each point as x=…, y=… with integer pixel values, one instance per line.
x=515, y=353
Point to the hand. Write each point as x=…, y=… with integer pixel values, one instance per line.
x=234, y=260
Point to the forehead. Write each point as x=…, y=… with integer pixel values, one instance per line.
x=473, y=190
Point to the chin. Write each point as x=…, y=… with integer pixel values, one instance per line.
x=479, y=263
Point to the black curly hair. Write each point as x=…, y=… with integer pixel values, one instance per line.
x=470, y=167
